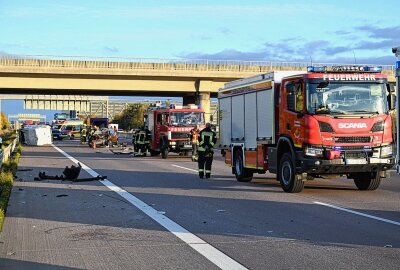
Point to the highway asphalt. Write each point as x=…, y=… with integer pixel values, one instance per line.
x=157, y=214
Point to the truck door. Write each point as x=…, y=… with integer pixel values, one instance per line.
x=157, y=127
x=292, y=120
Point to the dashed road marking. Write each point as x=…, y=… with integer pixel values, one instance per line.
x=184, y=168
x=331, y=206
x=358, y=213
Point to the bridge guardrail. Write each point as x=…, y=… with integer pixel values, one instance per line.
x=156, y=63
x=6, y=152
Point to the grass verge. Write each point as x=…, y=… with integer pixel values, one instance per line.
x=7, y=173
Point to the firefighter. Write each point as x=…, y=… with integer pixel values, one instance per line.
x=141, y=142
x=194, y=138
x=207, y=139
x=83, y=134
x=90, y=133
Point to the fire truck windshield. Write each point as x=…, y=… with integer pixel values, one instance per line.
x=186, y=118
x=346, y=98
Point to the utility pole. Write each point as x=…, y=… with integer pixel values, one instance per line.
x=396, y=52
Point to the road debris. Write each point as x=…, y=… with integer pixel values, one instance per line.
x=24, y=170
x=122, y=151
x=62, y=195
x=69, y=173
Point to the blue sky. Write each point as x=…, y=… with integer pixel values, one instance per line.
x=321, y=31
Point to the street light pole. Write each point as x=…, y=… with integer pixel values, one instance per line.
x=396, y=51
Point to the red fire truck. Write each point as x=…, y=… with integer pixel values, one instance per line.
x=169, y=128
x=321, y=123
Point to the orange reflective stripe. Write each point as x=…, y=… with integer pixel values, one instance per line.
x=195, y=136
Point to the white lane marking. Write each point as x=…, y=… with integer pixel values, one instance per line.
x=184, y=168
x=331, y=206
x=358, y=213
x=214, y=255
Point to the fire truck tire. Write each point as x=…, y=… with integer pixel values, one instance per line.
x=287, y=176
x=164, y=152
x=242, y=174
x=367, y=181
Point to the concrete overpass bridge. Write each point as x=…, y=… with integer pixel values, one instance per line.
x=193, y=80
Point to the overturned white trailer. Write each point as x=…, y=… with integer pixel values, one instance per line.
x=36, y=135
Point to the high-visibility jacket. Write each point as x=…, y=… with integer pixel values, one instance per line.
x=207, y=139
x=194, y=136
x=141, y=137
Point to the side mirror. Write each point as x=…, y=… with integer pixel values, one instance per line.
x=392, y=101
x=211, y=118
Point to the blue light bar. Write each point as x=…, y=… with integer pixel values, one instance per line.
x=398, y=65
x=373, y=69
x=316, y=69
x=377, y=69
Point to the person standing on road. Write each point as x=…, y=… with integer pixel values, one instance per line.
x=194, y=138
x=207, y=139
x=142, y=142
x=83, y=135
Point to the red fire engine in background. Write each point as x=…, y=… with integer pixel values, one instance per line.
x=321, y=123
x=169, y=128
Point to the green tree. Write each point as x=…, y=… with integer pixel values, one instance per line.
x=131, y=117
x=4, y=121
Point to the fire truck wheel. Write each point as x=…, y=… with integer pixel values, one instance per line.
x=164, y=152
x=287, y=177
x=367, y=181
x=242, y=174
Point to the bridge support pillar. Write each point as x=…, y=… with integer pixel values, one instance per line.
x=205, y=104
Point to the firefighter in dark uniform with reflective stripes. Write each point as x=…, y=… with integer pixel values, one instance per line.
x=207, y=139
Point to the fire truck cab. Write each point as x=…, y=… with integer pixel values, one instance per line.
x=170, y=127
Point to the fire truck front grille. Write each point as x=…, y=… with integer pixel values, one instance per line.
x=363, y=139
x=179, y=135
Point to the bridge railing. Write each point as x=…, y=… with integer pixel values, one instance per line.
x=50, y=61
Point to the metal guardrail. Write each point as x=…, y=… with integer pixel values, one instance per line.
x=6, y=153
x=52, y=61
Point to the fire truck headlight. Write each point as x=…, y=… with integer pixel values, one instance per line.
x=314, y=151
x=378, y=126
x=387, y=151
x=172, y=143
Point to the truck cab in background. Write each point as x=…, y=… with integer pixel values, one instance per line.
x=169, y=128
